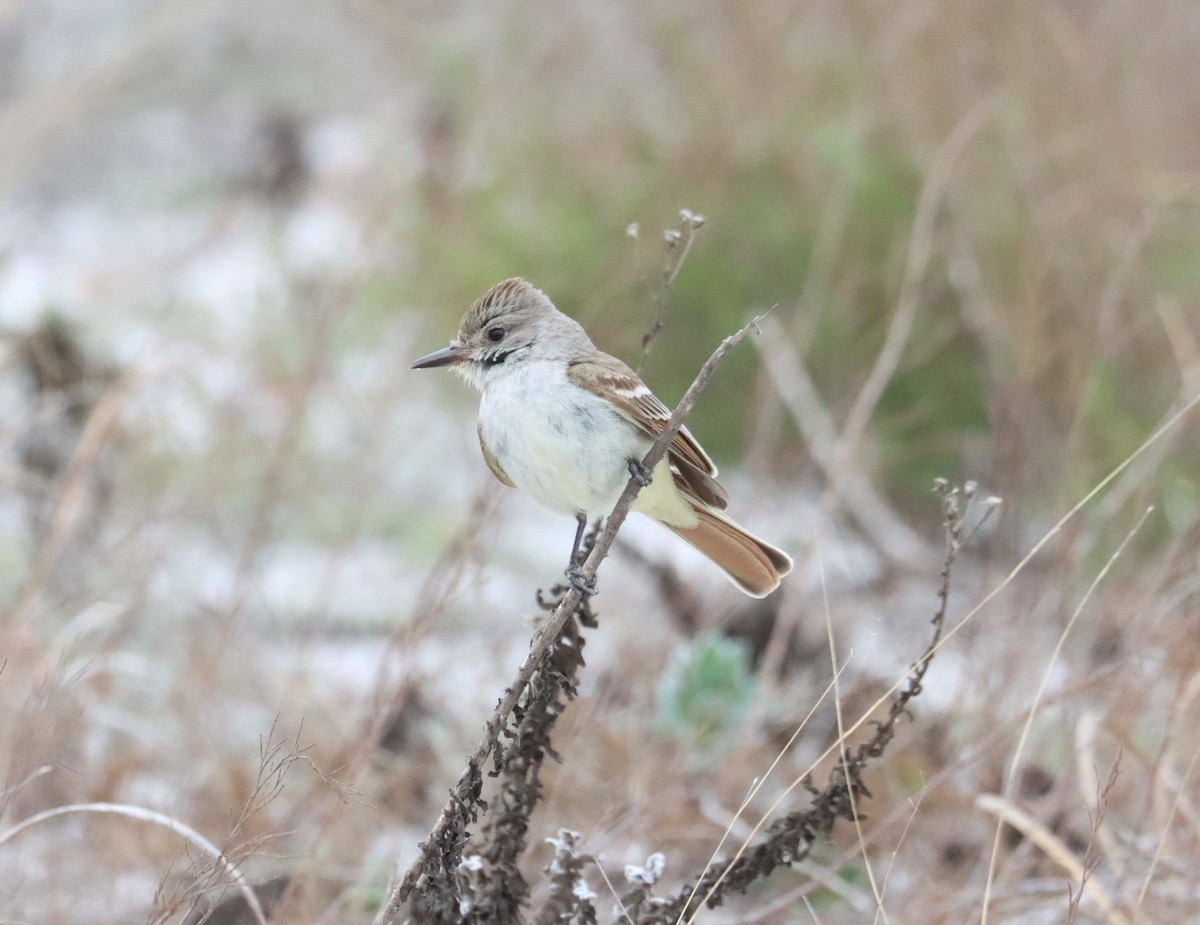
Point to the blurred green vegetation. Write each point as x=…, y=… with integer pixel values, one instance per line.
x=1056, y=309
x=810, y=154
x=569, y=238
x=705, y=690
x=278, y=469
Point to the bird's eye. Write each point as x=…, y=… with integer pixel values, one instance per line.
x=495, y=335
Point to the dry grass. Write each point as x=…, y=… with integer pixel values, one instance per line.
x=233, y=521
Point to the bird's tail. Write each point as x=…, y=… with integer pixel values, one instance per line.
x=754, y=565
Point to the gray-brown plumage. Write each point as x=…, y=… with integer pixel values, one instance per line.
x=567, y=424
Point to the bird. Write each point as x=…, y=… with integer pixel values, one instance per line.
x=569, y=425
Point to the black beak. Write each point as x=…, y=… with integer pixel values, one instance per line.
x=444, y=357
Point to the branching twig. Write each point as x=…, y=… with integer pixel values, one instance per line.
x=493, y=887
x=570, y=899
x=790, y=838
x=678, y=243
x=442, y=850
x=1019, y=752
x=140, y=813
x=799, y=395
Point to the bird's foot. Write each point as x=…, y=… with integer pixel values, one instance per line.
x=640, y=473
x=579, y=582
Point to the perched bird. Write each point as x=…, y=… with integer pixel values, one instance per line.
x=569, y=425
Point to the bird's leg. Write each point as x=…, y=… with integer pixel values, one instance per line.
x=639, y=472
x=574, y=569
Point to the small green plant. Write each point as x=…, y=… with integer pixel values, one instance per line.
x=706, y=688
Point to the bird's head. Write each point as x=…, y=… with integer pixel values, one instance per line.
x=510, y=324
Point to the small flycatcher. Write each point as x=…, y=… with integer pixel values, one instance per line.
x=569, y=424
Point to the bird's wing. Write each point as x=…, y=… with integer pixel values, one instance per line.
x=612, y=380
x=492, y=462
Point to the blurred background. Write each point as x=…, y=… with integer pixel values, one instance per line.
x=258, y=578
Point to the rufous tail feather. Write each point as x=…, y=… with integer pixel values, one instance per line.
x=754, y=565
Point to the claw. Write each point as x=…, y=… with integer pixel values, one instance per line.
x=578, y=582
x=639, y=472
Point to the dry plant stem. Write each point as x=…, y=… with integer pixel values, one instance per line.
x=1066, y=518
x=1177, y=730
x=790, y=838
x=276, y=757
x=1185, y=348
x=70, y=497
x=887, y=874
x=1110, y=299
x=841, y=729
x=1089, y=866
x=920, y=250
x=149, y=815
x=1019, y=753
x=985, y=746
x=835, y=217
x=442, y=850
x=919, y=253
x=1020, y=567
x=1162, y=839
x=1008, y=814
x=879, y=523
x=284, y=451
x=498, y=889
x=564, y=903
x=369, y=420
x=1149, y=442
x=761, y=781
x=1086, y=765
x=442, y=582
x=967, y=618
x=689, y=226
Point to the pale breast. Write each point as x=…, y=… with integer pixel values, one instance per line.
x=564, y=446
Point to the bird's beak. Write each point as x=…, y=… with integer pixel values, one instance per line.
x=447, y=356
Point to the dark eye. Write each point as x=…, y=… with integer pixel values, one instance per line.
x=495, y=335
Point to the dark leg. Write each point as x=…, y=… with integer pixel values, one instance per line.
x=640, y=473
x=574, y=569
x=580, y=526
